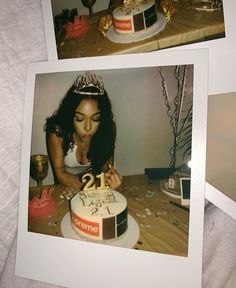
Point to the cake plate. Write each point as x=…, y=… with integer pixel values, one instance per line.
x=127, y=240
x=205, y=6
x=113, y=36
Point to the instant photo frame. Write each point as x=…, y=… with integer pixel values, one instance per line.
x=220, y=161
x=211, y=28
x=69, y=262
x=221, y=50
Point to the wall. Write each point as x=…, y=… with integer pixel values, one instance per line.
x=59, y=5
x=144, y=135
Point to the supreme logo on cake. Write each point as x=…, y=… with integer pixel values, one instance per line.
x=91, y=228
x=123, y=25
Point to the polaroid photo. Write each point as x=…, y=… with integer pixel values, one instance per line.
x=129, y=228
x=99, y=28
x=207, y=27
x=220, y=162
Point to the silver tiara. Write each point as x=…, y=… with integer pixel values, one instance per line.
x=89, y=79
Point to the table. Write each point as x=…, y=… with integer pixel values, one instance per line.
x=187, y=26
x=163, y=227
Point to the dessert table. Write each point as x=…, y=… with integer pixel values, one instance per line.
x=163, y=226
x=187, y=26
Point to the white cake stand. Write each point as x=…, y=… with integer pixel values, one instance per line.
x=113, y=36
x=127, y=240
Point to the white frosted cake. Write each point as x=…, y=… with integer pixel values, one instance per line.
x=134, y=16
x=99, y=214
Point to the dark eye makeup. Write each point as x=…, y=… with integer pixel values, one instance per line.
x=96, y=118
x=81, y=118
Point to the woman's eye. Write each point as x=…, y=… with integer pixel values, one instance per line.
x=79, y=119
x=96, y=119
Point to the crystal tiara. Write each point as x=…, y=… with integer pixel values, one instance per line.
x=87, y=80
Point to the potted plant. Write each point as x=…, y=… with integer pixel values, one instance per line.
x=179, y=112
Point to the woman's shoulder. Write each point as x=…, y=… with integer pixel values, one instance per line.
x=52, y=127
x=54, y=139
x=56, y=131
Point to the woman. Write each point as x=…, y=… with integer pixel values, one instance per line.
x=81, y=134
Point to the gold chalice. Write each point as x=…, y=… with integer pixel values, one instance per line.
x=39, y=168
x=89, y=4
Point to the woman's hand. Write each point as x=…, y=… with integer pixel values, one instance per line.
x=113, y=178
x=104, y=24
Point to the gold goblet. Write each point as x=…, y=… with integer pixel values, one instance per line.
x=39, y=168
x=89, y=4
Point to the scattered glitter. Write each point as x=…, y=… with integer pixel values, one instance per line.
x=150, y=196
x=139, y=199
x=141, y=215
x=148, y=211
x=145, y=226
x=161, y=213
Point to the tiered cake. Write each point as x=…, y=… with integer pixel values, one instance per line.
x=134, y=16
x=99, y=214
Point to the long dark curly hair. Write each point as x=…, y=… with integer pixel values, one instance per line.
x=103, y=142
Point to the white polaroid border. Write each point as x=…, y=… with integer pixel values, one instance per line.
x=222, y=51
x=49, y=29
x=219, y=199
x=70, y=263
x=217, y=193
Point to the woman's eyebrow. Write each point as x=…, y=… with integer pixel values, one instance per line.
x=80, y=113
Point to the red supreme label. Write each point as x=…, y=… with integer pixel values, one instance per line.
x=91, y=228
x=124, y=25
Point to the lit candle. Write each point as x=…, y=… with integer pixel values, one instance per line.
x=89, y=179
x=102, y=182
x=90, y=183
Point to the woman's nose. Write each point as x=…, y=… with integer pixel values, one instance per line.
x=87, y=125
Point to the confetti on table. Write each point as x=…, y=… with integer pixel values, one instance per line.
x=68, y=193
x=61, y=202
x=161, y=213
x=139, y=199
x=175, y=222
x=148, y=211
x=141, y=215
x=150, y=194
x=145, y=225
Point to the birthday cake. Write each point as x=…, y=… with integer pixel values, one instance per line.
x=134, y=16
x=99, y=214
